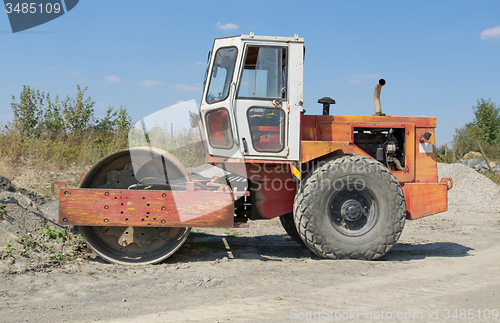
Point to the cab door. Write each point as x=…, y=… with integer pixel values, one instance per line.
x=261, y=104
x=217, y=106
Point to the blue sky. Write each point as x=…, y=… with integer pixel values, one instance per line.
x=438, y=57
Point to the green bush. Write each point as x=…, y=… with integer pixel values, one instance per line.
x=487, y=121
x=484, y=129
x=28, y=112
x=61, y=133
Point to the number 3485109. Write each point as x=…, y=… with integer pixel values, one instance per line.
x=33, y=7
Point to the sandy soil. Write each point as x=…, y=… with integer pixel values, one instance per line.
x=444, y=262
x=444, y=268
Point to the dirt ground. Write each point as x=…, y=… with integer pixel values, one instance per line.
x=444, y=268
x=445, y=262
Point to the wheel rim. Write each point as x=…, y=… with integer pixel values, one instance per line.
x=353, y=210
x=132, y=245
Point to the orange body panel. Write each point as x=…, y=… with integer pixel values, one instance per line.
x=328, y=135
x=335, y=134
x=425, y=163
x=425, y=199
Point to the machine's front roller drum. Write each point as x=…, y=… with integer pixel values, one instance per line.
x=351, y=207
x=134, y=245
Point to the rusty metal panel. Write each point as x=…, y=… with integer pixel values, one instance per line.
x=423, y=199
x=308, y=127
x=335, y=132
x=143, y=208
x=273, y=197
x=420, y=122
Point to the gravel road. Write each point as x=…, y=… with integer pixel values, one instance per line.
x=444, y=268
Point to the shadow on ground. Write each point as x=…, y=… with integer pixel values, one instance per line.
x=406, y=251
x=208, y=247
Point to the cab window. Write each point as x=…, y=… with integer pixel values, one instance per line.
x=264, y=73
x=267, y=127
x=219, y=129
x=221, y=76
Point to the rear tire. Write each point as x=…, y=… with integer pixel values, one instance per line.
x=351, y=207
x=289, y=225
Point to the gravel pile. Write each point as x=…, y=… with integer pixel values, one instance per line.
x=30, y=238
x=471, y=192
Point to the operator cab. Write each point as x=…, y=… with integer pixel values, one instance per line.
x=252, y=97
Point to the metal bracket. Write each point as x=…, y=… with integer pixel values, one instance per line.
x=448, y=182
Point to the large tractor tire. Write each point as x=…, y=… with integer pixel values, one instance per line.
x=289, y=225
x=351, y=207
x=116, y=171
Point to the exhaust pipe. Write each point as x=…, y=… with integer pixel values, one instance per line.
x=376, y=98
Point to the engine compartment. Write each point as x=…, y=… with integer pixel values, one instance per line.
x=387, y=145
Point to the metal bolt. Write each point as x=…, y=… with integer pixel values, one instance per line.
x=107, y=193
x=106, y=207
x=162, y=221
x=66, y=192
x=106, y=220
x=164, y=195
x=65, y=219
x=163, y=208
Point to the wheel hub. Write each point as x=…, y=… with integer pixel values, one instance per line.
x=141, y=236
x=351, y=210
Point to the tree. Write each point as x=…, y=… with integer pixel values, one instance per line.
x=114, y=121
x=28, y=112
x=123, y=121
x=37, y=115
x=78, y=112
x=53, y=122
x=464, y=140
x=487, y=122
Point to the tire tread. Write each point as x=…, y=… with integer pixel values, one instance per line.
x=304, y=209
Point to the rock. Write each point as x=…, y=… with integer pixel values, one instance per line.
x=477, y=163
x=473, y=155
x=6, y=184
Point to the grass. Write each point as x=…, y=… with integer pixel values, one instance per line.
x=55, y=154
x=494, y=177
x=57, y=235
x=59, y=256
x=34, y=160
